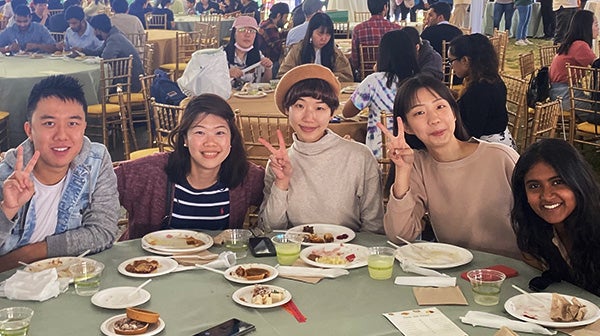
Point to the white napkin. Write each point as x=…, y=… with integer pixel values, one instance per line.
x=426, y=281
x=34, y=286
x=311, y=271
x=225, y=260
x=477, y=318
x=410, y=267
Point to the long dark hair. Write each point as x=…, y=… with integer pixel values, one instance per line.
x=235, y=167
x=483, y=61
x=252, y=56
x=406, y=99
x=323, y=23
x=579, y=30
x=396, y=45
x=533, y=233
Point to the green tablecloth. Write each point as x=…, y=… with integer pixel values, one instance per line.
x=194, y=300
x=18, y=75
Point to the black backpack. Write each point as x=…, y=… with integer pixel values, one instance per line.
x=539, y=87
x=164, y=90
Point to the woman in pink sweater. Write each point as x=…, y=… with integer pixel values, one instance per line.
x=463, y=183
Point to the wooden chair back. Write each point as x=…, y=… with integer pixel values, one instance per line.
x=503, y=39
x=361, y=16
x=447, y=69
x=58, y=37
x=544, y=121
x=156, y=21
x=215, y=21
x=527, y=64
x=516, y=105
x=138, y=40
x=584, y=93
x=368, y=58
x=166, y=117
x=209, y=37
x=147, y=58
x=547, y=54
x=341, y=30
x=255, y=126
x=52, y=12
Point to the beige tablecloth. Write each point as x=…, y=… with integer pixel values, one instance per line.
x=165, y=45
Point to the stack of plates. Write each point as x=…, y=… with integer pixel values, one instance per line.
x=169, y=242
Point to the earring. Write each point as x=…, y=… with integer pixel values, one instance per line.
x=184, y=145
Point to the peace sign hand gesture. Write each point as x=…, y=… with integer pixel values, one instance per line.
x=402, y=155
x=18, y=187
x=280, y=162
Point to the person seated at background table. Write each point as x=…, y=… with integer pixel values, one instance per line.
x=269, y=36
x=378, y=90
x=79, y=34
x=575, y=50
x=369, y=33
x=250, y=7
x=229, y=6
x=318, y=46
x=189, y=7
x=207, y=7
x=177, y=7
x=298, y=32
x=94, y=7
x=115, y=45
x=321, y=178
x=463, y=183
x=428, y=59
x=58, y=191
x=439, y=29
x=40, y=12
x=25, y=35
x=242, y=52
x=163, y=8
x=139, y=8
x=205, y=183
x=126, y=23
x=14, y=4
x=57, y=23
x=482, y=100
x=556, y=205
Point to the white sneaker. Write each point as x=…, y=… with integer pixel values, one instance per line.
x=521, y=43
x=527, y=41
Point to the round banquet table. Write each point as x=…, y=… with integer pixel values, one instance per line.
x=165, y=45
x=194, y=300
x=18, y=75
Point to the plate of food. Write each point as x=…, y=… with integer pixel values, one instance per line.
x=261, y=296
x=251, y=273
x=131, y=327
x=552, y=310
x=177, y=241
x=319, y=234
x=250, y=95
x=147, y=266
x=434, y=255
x=119, y=298
x=349, y=89
x=335, y=255
x=60, y=263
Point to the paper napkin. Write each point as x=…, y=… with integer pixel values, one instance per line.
x=425, y=281
x=588, y=330
x=202, y=257
x=304, y=275
x=428, y=296
x=477, y=318
x=34, y=286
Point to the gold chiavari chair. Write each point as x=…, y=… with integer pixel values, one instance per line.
x=185, y=45
x=361, y=16
x=147, y=60
x=544, y=121
x=547, y=54
x=52, y=12
x=156, y=21
x=584, y=92
x=58, y=37
x=166, y=118
x=447, y=69
x=516, y=105
x=138, y=40
x=527, y=64
x=4, y=130
x=341, y=30
x=213, y=20
x=503, y=40
x=368, y=58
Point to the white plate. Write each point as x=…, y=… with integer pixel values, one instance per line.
x=518, y=305
x=165, y=266
x=60, y=263
x=349, y=89
x=108, y=326
x=151, y=250
x=321, y=229
x=117, y=298
x=259, y=94
x=243, y=296
x=174, y=241
x=435, y=255
x=231, y=276
x=361, y=254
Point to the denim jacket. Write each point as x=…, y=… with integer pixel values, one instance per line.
x=87, y=211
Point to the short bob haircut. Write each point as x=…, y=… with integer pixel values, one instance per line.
x=582, y=224
x=65, y=88
x=234, y=168
x=406, y=99
x=315, y=88
x=579, y=30
x=321, y=22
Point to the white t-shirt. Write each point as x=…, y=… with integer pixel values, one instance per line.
x=45, y=202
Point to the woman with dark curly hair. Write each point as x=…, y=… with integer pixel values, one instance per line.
x=482, y=101
x=556, y=205
x=318, y=47
x=205, y=183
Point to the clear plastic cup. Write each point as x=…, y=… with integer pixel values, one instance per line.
x=486, y=285
x=86, y=276
x=14, y=321
x=236, y=240
x=287, y=247
x=381, y=262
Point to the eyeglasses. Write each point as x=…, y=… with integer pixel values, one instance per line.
x=246, y=30
x=451, y=60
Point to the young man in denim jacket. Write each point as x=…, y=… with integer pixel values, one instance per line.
x=59, y=192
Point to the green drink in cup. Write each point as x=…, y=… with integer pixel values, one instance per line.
x=86, y=276
x=486, y=285
x=287, y=247
x=381, y=262
x=14, y=321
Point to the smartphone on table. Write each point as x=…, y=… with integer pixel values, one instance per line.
x=262, y=247
x=233, y=327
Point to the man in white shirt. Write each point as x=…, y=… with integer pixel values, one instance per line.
x=296, y=34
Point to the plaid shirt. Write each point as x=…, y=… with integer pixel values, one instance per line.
x=270, y=41
x=369, y=33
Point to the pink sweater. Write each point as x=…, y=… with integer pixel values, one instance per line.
x=579, y=54
x=469, y=201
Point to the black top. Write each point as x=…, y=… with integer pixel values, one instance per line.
x=483, y=108
x=438, y=33
x=251, y=7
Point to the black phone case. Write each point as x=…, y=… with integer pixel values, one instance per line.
x=262, y=247
x=233, y=327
